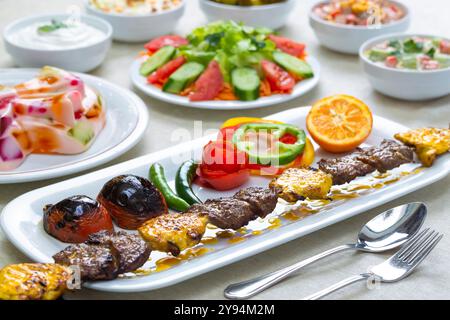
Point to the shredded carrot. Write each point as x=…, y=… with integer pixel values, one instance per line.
x=265, y=90
x=227, y=93
x=187, y=91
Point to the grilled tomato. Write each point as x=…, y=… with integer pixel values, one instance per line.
x=75, y=218
x=132, y=200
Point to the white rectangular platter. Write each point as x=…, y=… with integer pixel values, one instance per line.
x=21, y=219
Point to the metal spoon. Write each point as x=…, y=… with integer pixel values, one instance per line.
x=386, y=231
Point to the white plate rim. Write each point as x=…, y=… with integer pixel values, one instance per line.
x=300, y=89
x=94, y=160
x=241, y=250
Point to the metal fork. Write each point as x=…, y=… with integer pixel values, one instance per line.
x=397, y=267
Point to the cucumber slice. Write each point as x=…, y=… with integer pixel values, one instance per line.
x=246, y=83
x=443, y=59
x=183, y=77
x=409, y=61
x=378, y=54
x=293, y=64
x=199, y=56
x=161, y=57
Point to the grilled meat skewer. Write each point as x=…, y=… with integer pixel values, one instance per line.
x=387, y=156
x=176, y=232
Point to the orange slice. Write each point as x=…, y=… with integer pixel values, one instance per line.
x=339, y=123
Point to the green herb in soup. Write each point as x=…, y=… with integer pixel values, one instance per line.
x=416, y=53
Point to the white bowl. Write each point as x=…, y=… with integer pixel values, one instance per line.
x=348, y=38
x=80, y=59
x=142, y=27
x=404, y=84
x=272, y=16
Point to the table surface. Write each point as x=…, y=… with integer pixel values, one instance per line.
x=340, y=74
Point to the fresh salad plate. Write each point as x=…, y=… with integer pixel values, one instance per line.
x=300, y=89
x=225, y=65
x=22, y=219
x=126, y=122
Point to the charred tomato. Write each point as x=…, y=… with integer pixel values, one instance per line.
x=132, y=200
x=75, y=218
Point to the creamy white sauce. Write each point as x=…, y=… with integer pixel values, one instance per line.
x=77, y=34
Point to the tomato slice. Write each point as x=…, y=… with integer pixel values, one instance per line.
x=209, y=84
x=169, y=40
x=444, y=46
x=287, y=45
x=164, y=72
x=221, y=180
x=223, y=167
x=223, y=156
x=279, y=79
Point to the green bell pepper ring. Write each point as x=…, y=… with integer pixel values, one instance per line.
x=280, y=153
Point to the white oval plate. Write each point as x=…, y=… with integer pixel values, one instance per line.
x=152, y=91
x=126, y=122
x=21, y=219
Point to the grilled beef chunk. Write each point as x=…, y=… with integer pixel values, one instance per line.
x=105, y=255
x=262, y=200
x=132, y=250
x=345, y=169
x=225, y=213
x=96, y=262
x=387, y=156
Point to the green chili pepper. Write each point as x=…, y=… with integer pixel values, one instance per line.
x=280, y=154
x=157, y=177
x=183, y=181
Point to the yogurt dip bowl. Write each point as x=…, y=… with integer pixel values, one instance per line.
x=405, y=84
x=76, y=46
x=273, y=16
x=140, y=27
x=349, y=38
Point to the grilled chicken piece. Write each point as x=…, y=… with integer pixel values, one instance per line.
x=298, y=184
x=225, y=213
x=346, y=168
x=133, y=251
x=174, y=232
x=429, y=143
x=96, y=262
x=262, y=200
x=387, y=156
x=33, y=281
